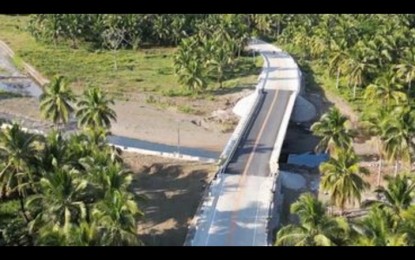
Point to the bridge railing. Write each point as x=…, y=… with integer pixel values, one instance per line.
x=274, y=160
x=246, y=121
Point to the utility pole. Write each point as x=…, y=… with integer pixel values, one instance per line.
x=178, y=138
x=337, y=78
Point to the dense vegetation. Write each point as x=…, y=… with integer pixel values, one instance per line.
x=66, y=190
x=75, y=190
x=138, y=30
x=210, y=46
x=386, y=221
x=368, y=60
x=365, y=58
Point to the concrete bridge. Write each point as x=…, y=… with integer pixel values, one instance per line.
x=237, y=206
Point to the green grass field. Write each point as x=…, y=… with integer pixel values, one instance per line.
x=145, y=70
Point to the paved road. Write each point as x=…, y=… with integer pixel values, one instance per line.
x=238, y=212
x=254, y=152
x=141, y=144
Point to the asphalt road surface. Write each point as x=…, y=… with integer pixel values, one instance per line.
x=238, y=211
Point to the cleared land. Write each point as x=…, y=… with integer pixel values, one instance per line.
x=173, y=190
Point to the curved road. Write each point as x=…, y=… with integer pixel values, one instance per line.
x=238, y=215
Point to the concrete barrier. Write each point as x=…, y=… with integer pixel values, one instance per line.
x=284, y=124
x=277, y=195
x=24, y=129
x=164, y=154
x=231, y=145
x=245, y=120
x=132, y=149
x=205, y=207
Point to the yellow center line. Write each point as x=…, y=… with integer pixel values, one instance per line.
x=242, y=179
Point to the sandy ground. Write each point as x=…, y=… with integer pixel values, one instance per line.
x=163, y=126
x=306, y=182
x=208, y=127
x=24, y=107
x=173, y=190
x=150, y=123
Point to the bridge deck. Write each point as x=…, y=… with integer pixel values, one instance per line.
x=238, y=211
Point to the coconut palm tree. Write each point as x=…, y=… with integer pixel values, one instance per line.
x=97, y=136
x=105, y=176
x=398, y=195
x=406, y=68
x=263, y=23
x=78, y=147
x=193, y=77
x=338, y=57
x=54, y=153
x=342, y=178
x=61, y=199
x=385, y=88
x=408, y=223
x=219, y=63
x=116, y=214
x=399, y=133
x=357, y=69
x=51, y=235
x=376, y=123
x=55, y=102
x=189, y=64
x=17, y=175
x=318, y=47
x=315, y=228
x=378, y=229
x=332, y=128
x=84, y=234
x=94, y=109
